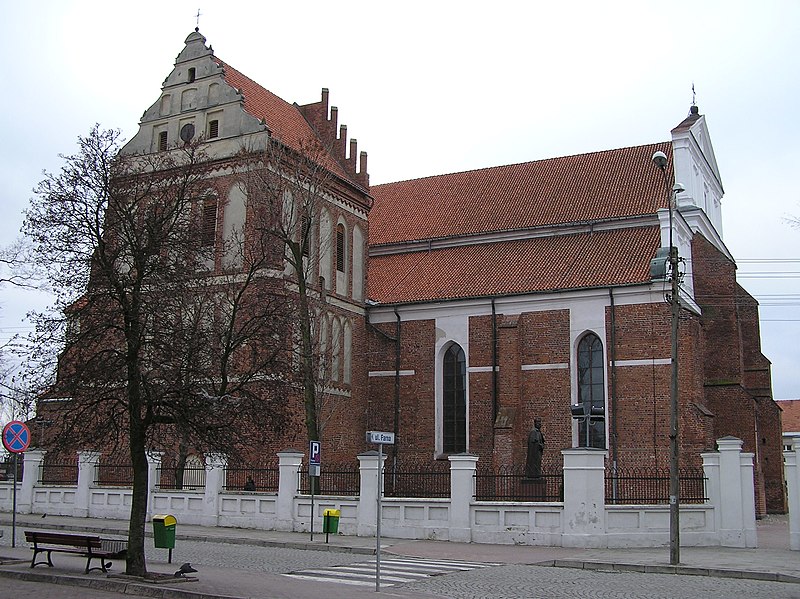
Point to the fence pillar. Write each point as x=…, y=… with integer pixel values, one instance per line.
x=215, y=481
x=713, y=486
x=462, y=492
x=737, y=496
x=32, y=462
x=584, y=517
x=87, y=468
x=153, y=482
x=289, y=462
x=367, y=514
x=791, y=469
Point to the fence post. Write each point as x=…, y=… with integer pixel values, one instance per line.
x=87, y=468
x=584, y=516
x=32, y=461
x=215, y=481
x=153, y=482
x=367, y=514
x=462, y=492
x=289, y=462
x=737, y=508
x=791, y=466
x=713, y=486
x=748, y=490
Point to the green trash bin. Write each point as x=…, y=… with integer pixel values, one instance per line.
x=164, y=531
x=330, y=522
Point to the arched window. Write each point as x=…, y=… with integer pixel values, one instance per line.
x=336, y=349
x=591, y=391
x=454, y=401
x=348, y=352
x=340, y=248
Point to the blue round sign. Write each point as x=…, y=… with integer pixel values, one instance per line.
x=16, y=436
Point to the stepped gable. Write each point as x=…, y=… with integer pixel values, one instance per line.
x=542, y=264
x=571, y=189
x=285, y=122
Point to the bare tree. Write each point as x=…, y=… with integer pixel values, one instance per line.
x=157, y=336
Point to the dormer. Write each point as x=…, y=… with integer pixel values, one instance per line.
x=696, y=168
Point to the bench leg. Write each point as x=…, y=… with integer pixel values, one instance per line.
x=36, y=552
x=103, y=565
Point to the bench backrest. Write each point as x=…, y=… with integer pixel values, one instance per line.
x=64, y=539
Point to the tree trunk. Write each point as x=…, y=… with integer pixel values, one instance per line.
x=135, y=561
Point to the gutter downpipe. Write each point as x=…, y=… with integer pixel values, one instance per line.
x=494, y=363
x=396, y=445
x=613, y=317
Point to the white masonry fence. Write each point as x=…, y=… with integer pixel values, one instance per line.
x=582, y=519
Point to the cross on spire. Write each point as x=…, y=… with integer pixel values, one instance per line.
x=197, y=16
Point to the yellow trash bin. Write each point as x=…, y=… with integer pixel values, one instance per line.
x=164, y=531
x=330, y=522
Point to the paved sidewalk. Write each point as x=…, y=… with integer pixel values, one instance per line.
x=771, y=561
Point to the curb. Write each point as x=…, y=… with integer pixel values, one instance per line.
x=214, y=539
x=679, y=570
x=116, y=586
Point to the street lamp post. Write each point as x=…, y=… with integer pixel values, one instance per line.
x=660, y=160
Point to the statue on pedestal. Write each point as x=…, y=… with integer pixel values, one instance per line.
x=533, y=463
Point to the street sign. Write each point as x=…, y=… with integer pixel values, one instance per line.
x=16, y=436
x=314, y=453
x=380, y=438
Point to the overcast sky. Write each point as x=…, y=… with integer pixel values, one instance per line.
x=438, y=86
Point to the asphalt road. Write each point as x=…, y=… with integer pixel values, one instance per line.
x=496, y=582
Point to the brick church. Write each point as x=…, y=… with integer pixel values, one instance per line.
x=460, y=307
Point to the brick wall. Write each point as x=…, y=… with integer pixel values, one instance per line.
x=738, y=386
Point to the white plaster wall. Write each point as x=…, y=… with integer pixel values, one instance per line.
x=233, y=224
x=358, y=263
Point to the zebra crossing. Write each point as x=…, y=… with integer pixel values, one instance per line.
x=394, y=571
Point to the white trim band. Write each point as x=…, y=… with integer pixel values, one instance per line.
x=392, y=372
x=482, y=368
x=651, y=362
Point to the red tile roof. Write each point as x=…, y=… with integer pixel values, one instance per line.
x=790, y=418
x=544, y=264
x=284, y=120
x=585, y=187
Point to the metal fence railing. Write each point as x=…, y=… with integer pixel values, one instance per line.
x=651, y=485
x=190, y=477
x=257, y=479
x=7, y=468
x=431, y=479
x=61, y=472
x=113, y=473
x=334, y=479
x=510, y=483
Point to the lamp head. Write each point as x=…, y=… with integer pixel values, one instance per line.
x=660, y=159
x=678, y=188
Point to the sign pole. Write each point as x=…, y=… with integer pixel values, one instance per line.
x=14, y=509
x=16, y=439
x=380, y=439
x=378, y=530
x=314, y=466
x=311, y=484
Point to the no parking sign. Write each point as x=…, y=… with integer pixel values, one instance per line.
x=16, y=436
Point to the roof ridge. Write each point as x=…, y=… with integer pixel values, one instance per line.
x=513, y=164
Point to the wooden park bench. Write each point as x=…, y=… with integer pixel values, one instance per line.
x=89, y=546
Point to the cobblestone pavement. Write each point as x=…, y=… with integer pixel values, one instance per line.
x=535, y=582
x=20, y=589
x=263, y=567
